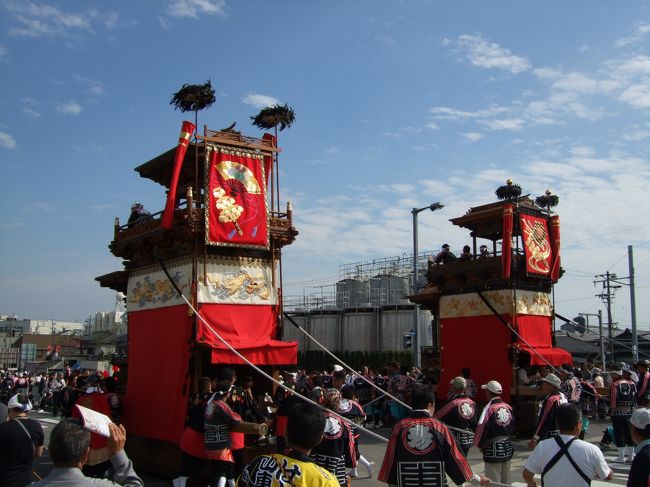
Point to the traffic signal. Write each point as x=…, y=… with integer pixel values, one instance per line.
x=407, y=340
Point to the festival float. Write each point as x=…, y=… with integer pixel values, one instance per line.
x=220, y=241
x=495, y=310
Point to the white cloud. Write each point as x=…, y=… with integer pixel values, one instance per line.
x=472, y=136
x=260, y=101
x=7, y=141
x=628, y=69
x=641, y=30
x=31, y=113
x=636, y=135
x=580, y=83
x=331, y=150
x=547, y=73
x=385, y=39
x=194, y=8
x=448, y=113
x=36, y=20
x=503, y=124
x=637, y=96
x=70, y=108
x=95, y=87
x=490, y=55
x=3, y=51
x=432, y=126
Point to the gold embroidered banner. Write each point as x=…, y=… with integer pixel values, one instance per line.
x=504, y=301
x=236, y=212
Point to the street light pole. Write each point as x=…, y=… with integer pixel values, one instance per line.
x=415, y=345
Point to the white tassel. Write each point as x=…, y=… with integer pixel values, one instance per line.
x=369, y=466
x=180, y=481
x=621, y=454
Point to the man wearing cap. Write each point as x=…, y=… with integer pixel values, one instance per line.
x=21, y=441
x=495, y=426
x=460, y=413
x=622, y=401
x=546, y=426
x=421, y=450
x=640, y=429
x=445, y=255
x=565, y=460
x=643, y=386
x=571, y=387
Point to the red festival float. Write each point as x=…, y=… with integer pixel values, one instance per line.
x=495, y=310
x=220, y=240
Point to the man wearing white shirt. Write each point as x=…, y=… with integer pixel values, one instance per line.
x=565, y=460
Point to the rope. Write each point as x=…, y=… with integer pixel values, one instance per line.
x=260, y=371
x=534, y=349
x=383, y=392
x=375, y=386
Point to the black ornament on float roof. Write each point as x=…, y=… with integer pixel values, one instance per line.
x=509, y=191
x=192, y=98
x=547, y=200
x=271, y=117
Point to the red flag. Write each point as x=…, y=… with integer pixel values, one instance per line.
x=506, y=247
x=237, y=210
x=537, y=247
x=183, y=141
x=555, y=247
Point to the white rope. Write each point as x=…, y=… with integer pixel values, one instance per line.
x=484, y=298
x=347, y=366
x=260, y=371
x=383, y=392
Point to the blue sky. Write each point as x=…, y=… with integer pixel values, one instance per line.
x=398, y=104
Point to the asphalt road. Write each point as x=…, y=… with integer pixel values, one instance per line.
x=373, y=449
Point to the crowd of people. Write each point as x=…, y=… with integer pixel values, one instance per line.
x=315, y=420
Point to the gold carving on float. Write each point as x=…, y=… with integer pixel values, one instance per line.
x=242, y=285
x=505, y=301
x=150, y=291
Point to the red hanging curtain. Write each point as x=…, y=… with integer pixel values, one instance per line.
x=555, y=247
x=157, y=386
x=249, y=330
x=506, y=247
x=473, y=342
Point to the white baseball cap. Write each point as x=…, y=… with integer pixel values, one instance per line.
x=641, y=419
x=553, y=379
x=14, y=402
x=493, y=386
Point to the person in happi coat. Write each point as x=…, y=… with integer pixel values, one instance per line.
x=496, y=425
x=460, y=413
x=421, y=451
x=546, y=424
x=336, y=450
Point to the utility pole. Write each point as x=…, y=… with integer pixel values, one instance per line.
x=606, y=297
x=600, y=332
x=635, y=340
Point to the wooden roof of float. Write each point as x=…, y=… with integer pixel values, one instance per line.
x=160, y=168
x=486, y=221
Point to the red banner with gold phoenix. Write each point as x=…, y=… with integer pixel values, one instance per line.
x=237, y=213
x=537, y=246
